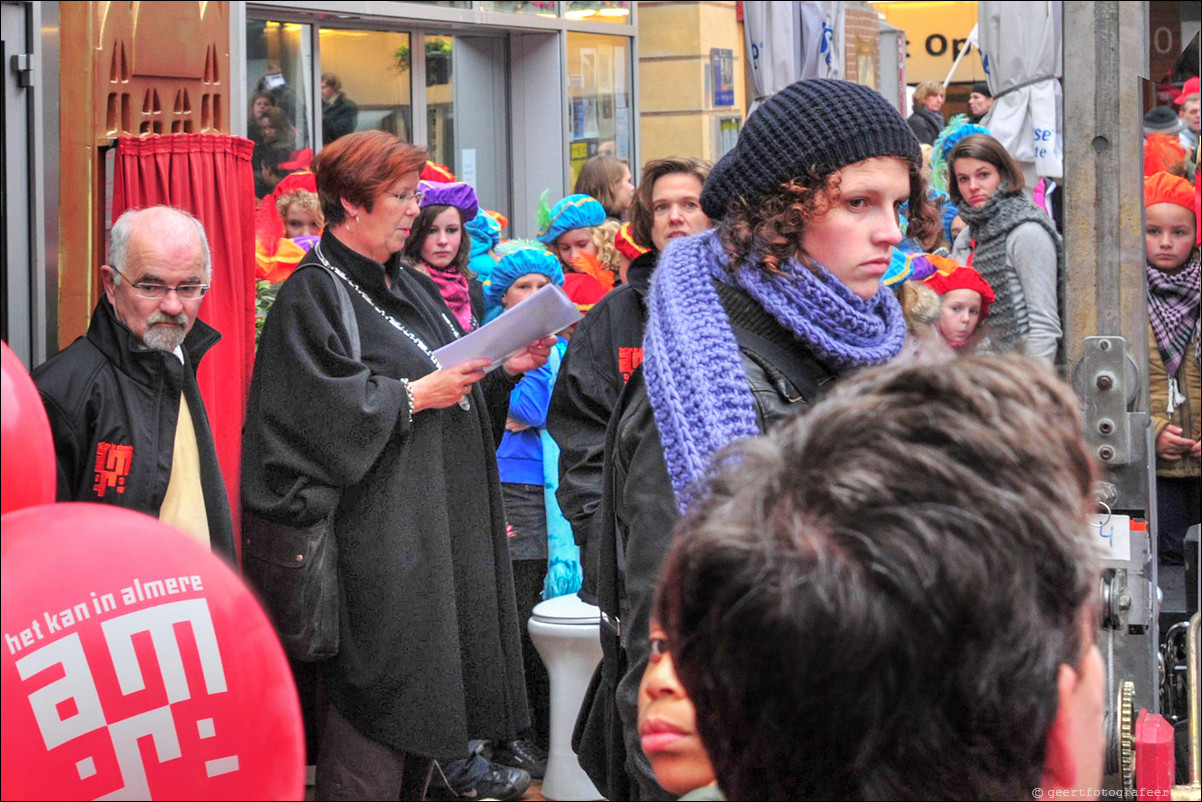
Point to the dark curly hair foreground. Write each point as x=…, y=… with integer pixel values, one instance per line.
x=772, y=230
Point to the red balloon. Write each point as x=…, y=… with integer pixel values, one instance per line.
x=26, y=448
x=137, y=664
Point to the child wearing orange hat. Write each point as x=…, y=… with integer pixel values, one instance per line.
x=1171, y=239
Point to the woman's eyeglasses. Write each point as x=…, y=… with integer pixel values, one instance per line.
x=416, y=196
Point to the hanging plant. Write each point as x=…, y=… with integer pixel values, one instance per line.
x=434, y=47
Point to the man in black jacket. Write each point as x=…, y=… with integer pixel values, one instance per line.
x=128, y=421
x=607, y=346
x=339, y=114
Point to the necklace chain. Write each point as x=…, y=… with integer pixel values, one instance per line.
x=396, y=324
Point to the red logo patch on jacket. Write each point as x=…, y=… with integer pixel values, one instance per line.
x=628, y=361
x=112, y=466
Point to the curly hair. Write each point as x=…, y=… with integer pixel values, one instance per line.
x=607, y=251
x=772, y=230
x=308, y=201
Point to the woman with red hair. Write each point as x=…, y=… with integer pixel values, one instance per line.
x=353, y=419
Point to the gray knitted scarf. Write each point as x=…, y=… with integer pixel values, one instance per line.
x=989, y=227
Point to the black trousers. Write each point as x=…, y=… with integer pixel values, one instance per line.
x=352, y=766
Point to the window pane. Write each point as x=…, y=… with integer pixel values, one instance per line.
x=440, y=100
x=280, y=82
x=545, y=8
x=370, y=88
x=598, y=97
x=597, y=12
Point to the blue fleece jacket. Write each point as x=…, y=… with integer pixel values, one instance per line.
x=520, y=456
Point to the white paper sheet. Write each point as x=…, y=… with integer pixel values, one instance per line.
x=547, y=311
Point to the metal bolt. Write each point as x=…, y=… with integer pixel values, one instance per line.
x=1106, y=426
x=1124, y=601
x=1105, y=381
x=1106, y=453
x=1104, y=345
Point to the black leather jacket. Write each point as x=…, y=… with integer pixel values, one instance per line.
x=114, y=405
x=604, y=351
x=638, y=510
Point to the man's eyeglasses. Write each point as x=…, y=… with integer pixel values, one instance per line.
x=417, y=196
x=156, y=291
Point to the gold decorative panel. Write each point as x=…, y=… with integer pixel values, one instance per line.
x=161, y=68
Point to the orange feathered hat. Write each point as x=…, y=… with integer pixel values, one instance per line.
x=1162, y=152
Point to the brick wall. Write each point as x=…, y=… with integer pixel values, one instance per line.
x=861, y=38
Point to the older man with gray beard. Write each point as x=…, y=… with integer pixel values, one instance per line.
x=128, y=420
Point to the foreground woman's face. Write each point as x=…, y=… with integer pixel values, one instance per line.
x=857, y=224
x=668, y=724
x=385, y=228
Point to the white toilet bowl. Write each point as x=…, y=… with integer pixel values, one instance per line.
x=566, y=632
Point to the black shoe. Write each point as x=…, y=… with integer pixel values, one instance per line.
x=522, y=753
x=499, y=782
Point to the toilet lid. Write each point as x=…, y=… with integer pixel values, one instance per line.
x=567, y=609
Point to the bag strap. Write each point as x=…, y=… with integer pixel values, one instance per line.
x=345, y=308
x=348, y=317
x=804, y=372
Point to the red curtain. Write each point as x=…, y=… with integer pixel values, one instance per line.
x=209, y=176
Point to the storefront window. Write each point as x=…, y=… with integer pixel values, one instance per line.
x=545, y=8
x=371, y=88
x=279, y=74
x=597, y=12
x=599, y=102
x=440, y=100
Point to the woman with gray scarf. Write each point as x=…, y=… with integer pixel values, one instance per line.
x=1011, y=243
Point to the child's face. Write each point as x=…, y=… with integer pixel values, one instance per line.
x=523, y=288
x=571, y=245
x=668, y=724
x=959, y=314
x=1169, y=235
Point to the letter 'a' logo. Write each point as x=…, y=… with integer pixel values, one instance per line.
x=112, y=466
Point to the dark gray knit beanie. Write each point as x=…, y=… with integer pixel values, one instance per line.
x=818, y=123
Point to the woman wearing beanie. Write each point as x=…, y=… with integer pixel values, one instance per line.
x=747, y=324
x=1011, y=243
x=1171, y=236
x=440, y=247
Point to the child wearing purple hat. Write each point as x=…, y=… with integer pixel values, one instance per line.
x=441, y=248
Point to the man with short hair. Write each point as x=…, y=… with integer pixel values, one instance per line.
x=1193, y=123
x=980, y=101
x=128, y=421
x=339, y=114
x=894, y=595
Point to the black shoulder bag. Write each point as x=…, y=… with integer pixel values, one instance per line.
x=295, y=568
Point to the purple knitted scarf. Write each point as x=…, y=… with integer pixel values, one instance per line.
x=694, y=373
x=1173, y=301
